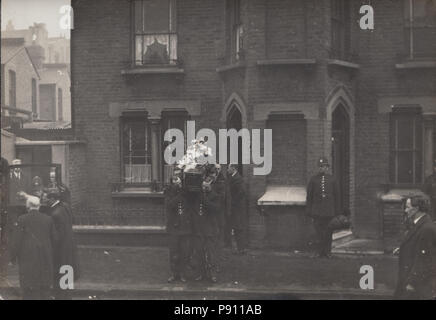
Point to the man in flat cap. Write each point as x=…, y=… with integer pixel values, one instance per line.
x=417, y=261
x=430, y=189
x=322, y=205
x=32, y=246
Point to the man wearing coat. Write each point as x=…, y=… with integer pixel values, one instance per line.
x=32, y=245
x=322, y=205
x=4, y=195
x=238, y=211
x=430, y=189
x=64, y=247
x=417, y=261
x=206, y=206
x=179, y=228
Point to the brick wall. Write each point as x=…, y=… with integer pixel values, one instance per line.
x=271, y=30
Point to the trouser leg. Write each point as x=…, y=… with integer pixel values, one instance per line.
x=324, y=235
x=210, y=255
x=240, y=239
x=184, y=253
x=174, y=255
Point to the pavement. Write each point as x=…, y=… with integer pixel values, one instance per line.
x=142, y=272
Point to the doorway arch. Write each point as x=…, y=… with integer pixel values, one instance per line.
x=341, y=153
x=234, y=121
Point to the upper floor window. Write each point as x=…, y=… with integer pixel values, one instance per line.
x=406, y=132
x=12, y=89
x=340, y=32
x=420, y=23
x=60, y=107
x=155, y=32
x=34, y=98
x=234, y=31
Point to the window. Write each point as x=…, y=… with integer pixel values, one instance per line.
x=136, y=150
x=406, y=134
x=340, y=47
x=60, y=108
x=34, y=97
x=420, y=24
x=155, y=32
x=12, y=89
x=142, y=147
x=234, y=31
x=172, y=120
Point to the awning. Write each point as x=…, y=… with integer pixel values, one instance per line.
x=283, y=195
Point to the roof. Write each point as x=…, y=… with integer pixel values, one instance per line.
x=10, y=47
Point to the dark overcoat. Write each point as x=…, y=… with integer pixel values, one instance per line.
x=430, y=189
x=32, y=246
x=417, y=261
x=178, y=213
x=65, y=250
x=205, y=208
x=238, y=208
x=323, y=198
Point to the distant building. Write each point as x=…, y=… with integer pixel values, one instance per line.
x=57, y=49
x=54, y=93
x=20, y=82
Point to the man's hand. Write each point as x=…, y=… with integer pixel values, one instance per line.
x=396, y=251
x=409, y=287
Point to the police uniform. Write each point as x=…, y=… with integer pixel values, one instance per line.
x=179, y=228
x=322, y=204
x=4, y=195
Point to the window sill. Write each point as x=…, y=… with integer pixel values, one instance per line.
x=416, y=64
x=343, y=63
x=397, y=194
x=137, y=193
x=286, y=62
x=230, y=67
x=153, y=70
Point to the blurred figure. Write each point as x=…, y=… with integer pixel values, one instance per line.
x=17, y=182
x=32, y=245
x=238, y=212
x=417, y=261
x=64, y=247
x=37, y=187
x=179, y=228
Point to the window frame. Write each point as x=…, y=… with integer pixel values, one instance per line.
x=340, y=30
x=409, y=38
x=134, y=116
x=172, y=31
x=34, y=97
x=417, y=149
x=12, y=89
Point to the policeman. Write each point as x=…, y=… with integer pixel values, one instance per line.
x=4, y=197
x=322, y=204
x=179, y=228
x=206, y=229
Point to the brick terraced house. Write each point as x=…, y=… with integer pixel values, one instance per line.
x=366, y=99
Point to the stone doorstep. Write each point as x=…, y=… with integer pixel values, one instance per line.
x=360, y=247
x=86, y=289
x=118, y=229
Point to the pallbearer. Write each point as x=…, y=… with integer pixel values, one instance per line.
x=179, y=228
x=206, y=208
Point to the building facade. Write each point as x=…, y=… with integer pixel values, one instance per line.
x=366, y=99
x=19, y=85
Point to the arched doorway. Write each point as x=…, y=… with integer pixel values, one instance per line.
x=341, y=154
x=234, y=121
